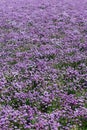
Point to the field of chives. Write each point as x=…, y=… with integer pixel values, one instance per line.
x=43, y=65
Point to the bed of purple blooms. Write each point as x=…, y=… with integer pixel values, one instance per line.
x=43, y=65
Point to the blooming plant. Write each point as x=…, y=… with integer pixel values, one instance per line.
x=43, y=65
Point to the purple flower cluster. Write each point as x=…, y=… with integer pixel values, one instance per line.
x=43, y=65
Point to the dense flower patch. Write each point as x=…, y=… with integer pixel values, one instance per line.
x=43, y=65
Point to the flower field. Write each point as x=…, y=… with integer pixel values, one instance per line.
x=43, y=65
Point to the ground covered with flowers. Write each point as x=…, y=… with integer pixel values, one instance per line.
x=43, y=65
